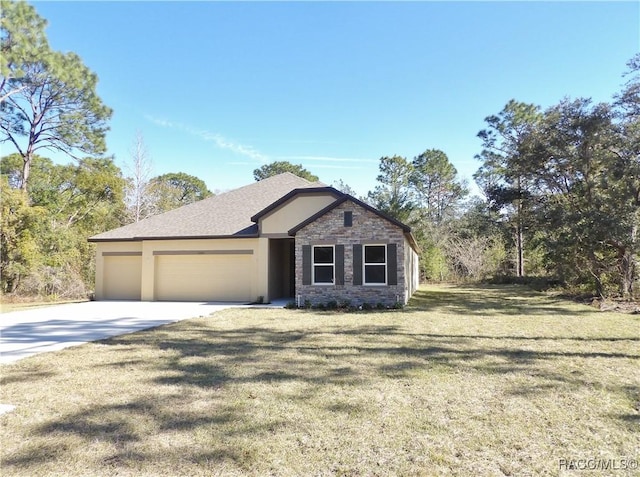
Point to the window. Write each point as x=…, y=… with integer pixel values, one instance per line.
x=348, y=218
x=323, y=264
x=375, y=265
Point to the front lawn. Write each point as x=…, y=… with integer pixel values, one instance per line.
x=464, y=381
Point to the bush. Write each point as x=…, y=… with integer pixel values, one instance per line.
x=535, y=282
x=344, y=306
x=54, y=282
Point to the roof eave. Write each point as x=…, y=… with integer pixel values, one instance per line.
x=413, y=242
x=181, y=237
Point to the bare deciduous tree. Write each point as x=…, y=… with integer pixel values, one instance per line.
x=140, y=170
x=470, y=256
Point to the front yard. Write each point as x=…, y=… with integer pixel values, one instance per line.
x=464, y=381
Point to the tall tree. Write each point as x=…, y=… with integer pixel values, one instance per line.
x=393, y=194
x=50, y=98
x=627, y=165
x=502, y=175
x=436, y=185
x=22, y=39
x=585, y=205
x=278, y=167
x=175, y=189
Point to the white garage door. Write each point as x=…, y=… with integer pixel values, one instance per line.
x=210, y=277
x=122, y=277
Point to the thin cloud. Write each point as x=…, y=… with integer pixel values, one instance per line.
x=336, y=166
x=160, y=122
x=327, y=159
x=215, y=138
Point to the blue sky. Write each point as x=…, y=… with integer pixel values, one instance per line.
x=217, y=89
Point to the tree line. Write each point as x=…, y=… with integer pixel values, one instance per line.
x=43, y=233
x=561, y=196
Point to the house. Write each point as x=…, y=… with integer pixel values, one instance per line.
x=282, y=237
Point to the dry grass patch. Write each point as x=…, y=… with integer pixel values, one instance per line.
x=465, y=381
x=9, y=303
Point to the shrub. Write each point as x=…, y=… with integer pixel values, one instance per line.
x=54, y=283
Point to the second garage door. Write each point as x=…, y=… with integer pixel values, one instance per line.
x=203, y=277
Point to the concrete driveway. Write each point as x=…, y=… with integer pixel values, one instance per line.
x=51, y=328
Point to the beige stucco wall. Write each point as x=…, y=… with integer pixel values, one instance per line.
x=296, y=210
x=251, y=265
x=412, y=270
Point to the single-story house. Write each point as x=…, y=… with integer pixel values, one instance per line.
x=281, y=237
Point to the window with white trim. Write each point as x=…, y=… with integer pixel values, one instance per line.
x=323, y=264
x=375, y=264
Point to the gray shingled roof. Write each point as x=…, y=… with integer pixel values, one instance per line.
x=227, y=214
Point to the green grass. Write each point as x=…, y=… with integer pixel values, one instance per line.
x=464, y=381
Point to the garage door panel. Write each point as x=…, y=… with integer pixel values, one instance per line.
x=122, y=277
x=203, y=277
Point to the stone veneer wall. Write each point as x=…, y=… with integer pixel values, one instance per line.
x=367, y=228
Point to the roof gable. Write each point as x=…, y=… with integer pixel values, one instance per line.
x=284, y=199
x=344, y=198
